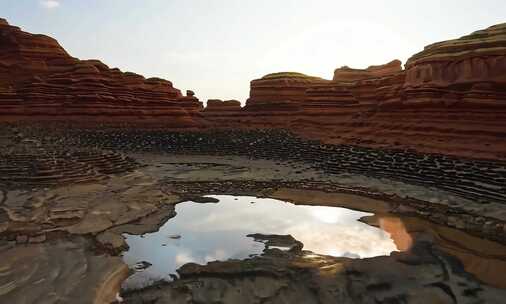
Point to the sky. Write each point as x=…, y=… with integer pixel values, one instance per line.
x=216, y=47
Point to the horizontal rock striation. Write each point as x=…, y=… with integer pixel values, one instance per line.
x=38, y=78
x=475, y=62
x=480, y=180
x=450, y=99
x=348, y=74
x=453, y=98
x=26, y=162
x=43, y=168
x=218, y=106
x=279, y=92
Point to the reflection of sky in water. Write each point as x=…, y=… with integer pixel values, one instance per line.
x=212, y=232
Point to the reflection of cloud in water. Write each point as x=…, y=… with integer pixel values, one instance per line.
x=337, y=239
x=218, y=232
x=184, y=258
x=325, y=230
x=333, y=215
x=217, y=255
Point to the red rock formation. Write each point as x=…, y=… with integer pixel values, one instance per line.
x=468, y=70
x=217, y=105
x=451, y=99
x=38, y=79
x=374, y=71
x=280, y=92
x=223, y=114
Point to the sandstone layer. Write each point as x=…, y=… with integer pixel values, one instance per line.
x=450, y=99
x=40, y=80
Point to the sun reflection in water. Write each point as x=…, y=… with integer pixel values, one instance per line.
x=210, y=232
x=395, y=227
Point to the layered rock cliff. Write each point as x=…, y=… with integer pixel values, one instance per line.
x=453, y=98
x=374, y=71
x=450, y=99
x=40, y=80
x=283, y=91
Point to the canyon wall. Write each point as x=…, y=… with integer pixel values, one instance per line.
x=449, y=99
x=39, y=80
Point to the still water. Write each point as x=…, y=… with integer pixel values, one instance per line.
x=201, y=233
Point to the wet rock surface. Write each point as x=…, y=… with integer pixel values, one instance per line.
x=82, y=209
x=60, y=271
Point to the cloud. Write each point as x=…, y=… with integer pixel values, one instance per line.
x=50, y=3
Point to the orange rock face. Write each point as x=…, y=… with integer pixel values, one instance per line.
x=450, y=99
x=284, y=91
x=216, y=105
x=453, y=99
x=348, y=74
x=39, y=80
x=468, y=70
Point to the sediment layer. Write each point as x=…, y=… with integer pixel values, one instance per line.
x=450, y=99
x=40, y=80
